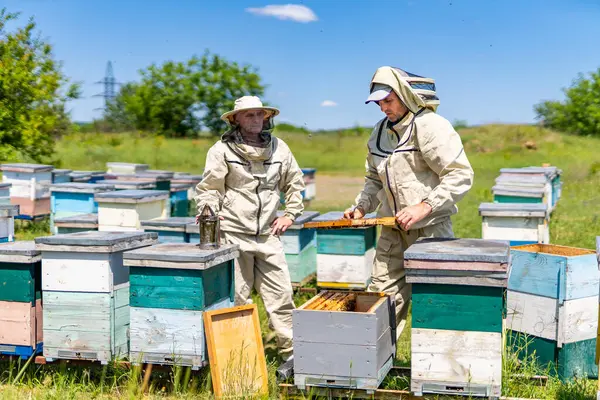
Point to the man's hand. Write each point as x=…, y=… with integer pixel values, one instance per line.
x=409, y=216
x=198, y=217
x=354, y=213
x=280, y=225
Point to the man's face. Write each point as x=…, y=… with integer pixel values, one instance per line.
x=392, y=107
x=251, y=121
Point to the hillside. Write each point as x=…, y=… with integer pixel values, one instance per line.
x=339, y=159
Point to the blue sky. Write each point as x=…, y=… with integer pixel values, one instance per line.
x=492, y=60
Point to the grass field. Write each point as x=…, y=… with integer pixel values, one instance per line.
x=339, y=159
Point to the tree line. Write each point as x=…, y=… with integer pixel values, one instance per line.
x=173, y=98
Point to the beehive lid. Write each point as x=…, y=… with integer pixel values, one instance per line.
x=307, y=171
x=551, y=171
x=25, y=167
x=121, y=184
x=144, y=175
x=462, y=250
x=80, y=175
x=305, y=217
x=81, y=187
x=178, y=187
x=96, y=241
x=180, y=255
x=168, y=174
x=82, y=220
x=524, y=178
x=92, y=173
x=512, y=210
x=22, y=251
x=507, y=190
x=132, y=196
x=61, y=171
x=9, y=211
x=547, y=171
x=172, y=223
x=5, y=185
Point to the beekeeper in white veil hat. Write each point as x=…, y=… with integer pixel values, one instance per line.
x=416, y=170
x=244, y=174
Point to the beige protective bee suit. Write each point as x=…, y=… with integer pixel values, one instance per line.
x=244, y=183
x=417, y=159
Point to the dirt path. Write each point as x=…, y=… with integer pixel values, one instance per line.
x=336, y=192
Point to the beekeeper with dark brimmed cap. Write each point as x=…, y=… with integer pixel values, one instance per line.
x=417, y=171
x=244, y=174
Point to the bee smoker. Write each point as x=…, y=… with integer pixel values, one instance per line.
x=209, y=227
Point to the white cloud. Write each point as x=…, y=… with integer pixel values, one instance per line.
x=328, y=103
x=293, y=12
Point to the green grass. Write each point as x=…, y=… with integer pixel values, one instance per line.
x=576, y=222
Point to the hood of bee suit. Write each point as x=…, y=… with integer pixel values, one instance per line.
x=415, y=91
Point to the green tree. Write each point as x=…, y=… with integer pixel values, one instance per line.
x=32, y=99
x=180, y=98
x=579, y=113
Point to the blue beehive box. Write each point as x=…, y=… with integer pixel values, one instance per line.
x=300, y=247
x=69, y=199
x=552, y=303
x=345, y=256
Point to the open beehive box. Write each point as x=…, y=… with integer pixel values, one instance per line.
x=343, y=339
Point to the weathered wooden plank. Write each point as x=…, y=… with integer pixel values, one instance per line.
x=456, y=307
x=454, y=277
x=165, y=288
x=71, y=340
x=171, y=252
x=578, y=320
x=235, y=344
x=77, y=272
x=577, y=359
x=20, y=252
x=458, y=250
x=554, y=271
x=358, y=328
x=17, y=323
x=512, y=229
x=354, y=269
x=456, y=356
x=95, y=242
x=302, y=265
x=18, y=281
x=533, y=315
x=342, y=360
x=455, y=266
x=177, y=332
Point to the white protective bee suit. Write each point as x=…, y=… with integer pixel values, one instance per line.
x=417, y=159
x=244, y=183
